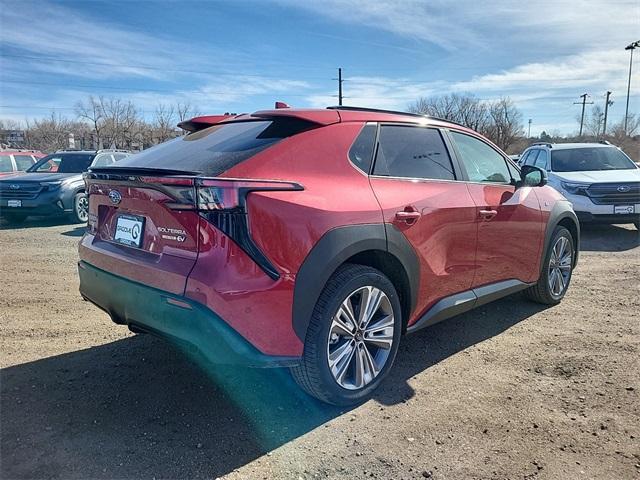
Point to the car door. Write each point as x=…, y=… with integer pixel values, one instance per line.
x=415, y=182
x=510, y=228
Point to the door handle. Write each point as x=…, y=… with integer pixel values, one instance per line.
x=488, y=214
x=408, y=216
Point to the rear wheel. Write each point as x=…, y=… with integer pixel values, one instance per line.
x=80, y=212
x=353, y=337
x=558, y=267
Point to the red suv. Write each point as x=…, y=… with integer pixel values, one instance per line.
x=314, y=239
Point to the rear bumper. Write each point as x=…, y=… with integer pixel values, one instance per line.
x=180, y=320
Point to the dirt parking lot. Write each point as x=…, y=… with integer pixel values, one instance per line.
x=512, y=390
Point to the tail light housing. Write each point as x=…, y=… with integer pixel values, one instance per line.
x=223, y=203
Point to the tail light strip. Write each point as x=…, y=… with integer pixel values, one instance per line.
x=220, y=201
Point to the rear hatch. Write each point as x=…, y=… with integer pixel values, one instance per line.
x=149, y=212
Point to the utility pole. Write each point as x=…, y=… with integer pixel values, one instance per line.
x=583, y=102
x=607, y=103
x=529, y=136
x=631, y=47
x=340, y=80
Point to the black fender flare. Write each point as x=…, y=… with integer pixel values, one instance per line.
x=332, y=250
x=561, y=210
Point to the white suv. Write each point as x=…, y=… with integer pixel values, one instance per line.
x=601, y=182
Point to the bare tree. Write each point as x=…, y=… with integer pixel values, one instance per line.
x=164, y=122
x=506, y=123
x=52, y=133
x=186, y=111
x=594, y=122
x=92, y=112
x=500, y=120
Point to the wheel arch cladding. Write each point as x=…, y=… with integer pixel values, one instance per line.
x=563, y=215
x=382, y=247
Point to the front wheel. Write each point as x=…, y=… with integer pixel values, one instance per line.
x=558, y=268
x=353, y=337
x=80, y=212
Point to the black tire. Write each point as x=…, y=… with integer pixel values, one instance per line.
x=13, y=218
x=80, y=212
x=542, y=292
x=314, y=374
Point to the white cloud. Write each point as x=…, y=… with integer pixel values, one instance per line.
x=470, y=24
x=105, y=49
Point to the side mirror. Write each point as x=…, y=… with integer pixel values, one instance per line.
x=533, y=176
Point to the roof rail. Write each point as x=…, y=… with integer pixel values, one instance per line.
x=393, y=112
x=547, y=144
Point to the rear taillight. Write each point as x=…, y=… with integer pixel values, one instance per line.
x=223, y=203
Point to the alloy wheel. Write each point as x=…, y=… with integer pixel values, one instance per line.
x=82, y=208
x=360, y=338
x=560, y=265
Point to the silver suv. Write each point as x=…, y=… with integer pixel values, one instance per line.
x=599, y=179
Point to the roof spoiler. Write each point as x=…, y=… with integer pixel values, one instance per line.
x=200, y=123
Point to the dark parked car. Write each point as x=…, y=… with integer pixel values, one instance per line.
x=52, y=186
x=314, y=239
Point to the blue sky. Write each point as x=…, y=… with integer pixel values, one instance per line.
x=242, y=55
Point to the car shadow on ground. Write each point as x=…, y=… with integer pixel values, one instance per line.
x=37, y=222
x=75, y=232
x=139, y=407
x=608, y=238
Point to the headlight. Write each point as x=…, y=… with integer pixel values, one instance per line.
x=51, y=185
x=575, y=188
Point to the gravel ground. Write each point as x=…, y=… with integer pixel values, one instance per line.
x=512, y=390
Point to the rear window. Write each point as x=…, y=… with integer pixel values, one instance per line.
x=216, y=149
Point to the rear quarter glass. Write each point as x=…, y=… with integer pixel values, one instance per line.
x=216, y=149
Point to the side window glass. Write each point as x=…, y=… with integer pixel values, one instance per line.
x=361, y=152
x=5, y=164
x=412, y=152
x=103, y=160
x=523, y=158
x=23, y=161
x=50, y=165
x=483, y=163
x=541, y=161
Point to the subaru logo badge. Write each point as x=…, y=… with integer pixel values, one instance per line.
x=624, y=188
x=14, y=186
x=115, y=197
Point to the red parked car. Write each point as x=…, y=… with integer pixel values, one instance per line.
x=12, y=161
x=314, y=239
